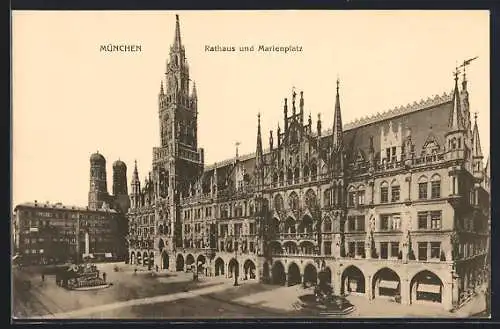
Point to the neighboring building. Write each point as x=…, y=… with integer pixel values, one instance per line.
x=45, y=232
x=48, y=232
x=391, y=206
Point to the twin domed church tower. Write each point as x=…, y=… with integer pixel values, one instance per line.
x=98, y=193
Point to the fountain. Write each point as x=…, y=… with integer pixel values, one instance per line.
x=81, y=277
x=323, y=301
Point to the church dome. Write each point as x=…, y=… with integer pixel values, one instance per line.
x=119, y=164
x=97, y=158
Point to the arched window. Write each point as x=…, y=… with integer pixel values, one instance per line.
x=296, y=175
x=361, y=195
x=384, y=192
x=351, y=196
x=313, y=171
x=278, y=203
x=282, y=177
x=293, y=201
x=422, y=187
x=275, y=179
x=306, y=173
x=326, y=198
x=395, y=191
x=310, y=199
x=289, y=176
x=435, y=186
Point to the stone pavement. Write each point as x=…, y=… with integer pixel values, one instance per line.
x=132, y=293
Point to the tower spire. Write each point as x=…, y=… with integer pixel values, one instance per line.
x=455, y=121
x=177, y=38
x=476, y=143
x=161, y=88
x=194, y=94
x=337, y=123
x=259, y=137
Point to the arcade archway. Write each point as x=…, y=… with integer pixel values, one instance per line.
x=164, y=260
x=386, y=283
x=179, y=263
x=353, y=280
x=310, y=275
x=145, y=259
x=249, y=268
x=426, y=287
x=132, y=258
x=201, y=264
x=189, y=261
x=278, y=274
x=139, y=258
x=219, y=266
x=233, y=268
x=294, y=276
x=152, y=258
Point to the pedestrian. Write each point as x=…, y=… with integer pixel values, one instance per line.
x=135, y=270
x=156, y=268
x=43, y=277
x=104, y=276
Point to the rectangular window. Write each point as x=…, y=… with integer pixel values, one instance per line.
x=351, y=223
x=422, y=251
x=388, y=153
x=394, y=249
x=435, y=249
x=435, y=220
x=422, y=220
x=395, y=192
x=360, y=249
x=436, y=190
x=384, y=222
x=394, y=158
x=352, y=248
x=383, y=250
x=328, y=247
x=361, y=197
x=252, y=228
x=222, y=246
x=384, y=194
x=361, y=223
x=252, y=249
x=396, y=222
x=422, y=191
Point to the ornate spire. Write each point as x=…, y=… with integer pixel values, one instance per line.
x=337, y=123
x=455, y=121
x=161, y=88
x=301, y=107
x=476, y=143
x=135, y=175
x=294, y=94
x=318, y=125
x=271, y=141
x=177, y=38
x=194, y=94
x=259, y=138
x=285, y=113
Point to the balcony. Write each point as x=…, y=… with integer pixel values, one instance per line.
x=298, y=236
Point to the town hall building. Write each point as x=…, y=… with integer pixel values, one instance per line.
x=395, y=205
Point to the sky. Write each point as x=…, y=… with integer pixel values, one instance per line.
x=70, y=99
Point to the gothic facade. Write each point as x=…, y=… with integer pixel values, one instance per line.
x=391, y=206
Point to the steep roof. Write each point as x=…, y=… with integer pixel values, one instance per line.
x=425, y=118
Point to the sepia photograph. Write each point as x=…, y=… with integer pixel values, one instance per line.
x=284, y=164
